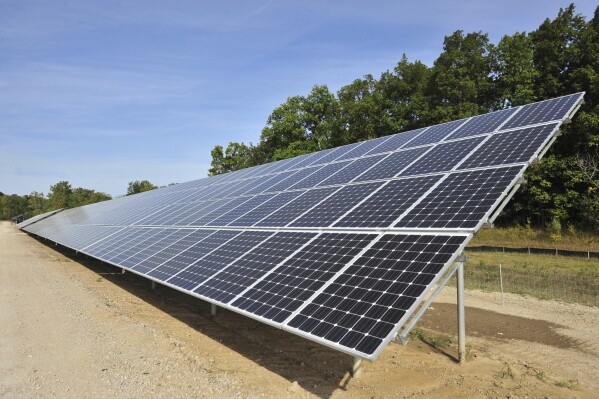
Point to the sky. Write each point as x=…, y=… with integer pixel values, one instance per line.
x=101, y=93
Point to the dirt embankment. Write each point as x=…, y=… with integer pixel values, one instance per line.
x=71, y=327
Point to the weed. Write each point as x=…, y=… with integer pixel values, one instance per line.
x=438, y=342
x=572, y=385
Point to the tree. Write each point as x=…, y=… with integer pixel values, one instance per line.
x=37, y=203
x=84, y=196
x=555, y=51
x=60, y=195
x=461, y=84
x=139, y=186
x=237, y=156
x=513, y=70
x=12, y=205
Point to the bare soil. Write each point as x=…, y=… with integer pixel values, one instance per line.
x=72, y=327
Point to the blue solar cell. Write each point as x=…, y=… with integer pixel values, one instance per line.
x=392, y=164
x=261, y=211
x=204, y=261
x=544, y=111
x=331, y=209
x=320, y=175
x=443, y=157
x=181, y=254
x=382, y=209
x=462, y=200
x=482, y=124
x=363, y=148
x=396, y=141
x=511, y=147
x=352, y=170
x=233, y=280
x=295, y=208
x=435, y=133
x=287, y=287
x=240, y=210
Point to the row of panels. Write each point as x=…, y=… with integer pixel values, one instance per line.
x=527, y=115
x=349, y=290
x=338, y=166
x=228, y=205
x=457, y=200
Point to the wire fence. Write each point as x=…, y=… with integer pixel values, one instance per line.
x=567, y=287
x=536, y=251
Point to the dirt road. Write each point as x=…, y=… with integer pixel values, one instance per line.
x=72, y=327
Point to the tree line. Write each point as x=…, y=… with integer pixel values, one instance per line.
x=471, y=76
x=61, y=195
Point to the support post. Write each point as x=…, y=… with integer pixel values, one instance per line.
x=153, y=284
x=213, y=309
x=122, y=271
x=461, y=315
x=357, y=367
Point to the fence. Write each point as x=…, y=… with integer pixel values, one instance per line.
x=536, y=251
x=567, y=287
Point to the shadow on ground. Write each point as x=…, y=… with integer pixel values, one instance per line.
x=317, y=369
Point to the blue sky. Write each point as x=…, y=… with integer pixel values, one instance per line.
x=101, y=93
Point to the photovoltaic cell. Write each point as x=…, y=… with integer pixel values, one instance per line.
x=544, y=111
x=363, y=305
x=334, y=207
x=443, y=157
x=285, y=289
x=392, y=164
x=268, y=207
x=191, y=247
x=320, y=175
x=382, y=209
x=511, y=147
x=206, y=261
x=396, y=142
x=169, y=237
x=240, y=210
x=173, y=246
x=293, y=179
x=482, y=124
x=332, y=154
x=363, y=148
x=292, y=210
x=352, y=170
x=461, y=200
x=435, y=133
x=232, y=281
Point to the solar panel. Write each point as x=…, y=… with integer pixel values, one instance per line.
x=339, y=246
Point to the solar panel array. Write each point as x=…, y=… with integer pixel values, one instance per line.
x=338, y=246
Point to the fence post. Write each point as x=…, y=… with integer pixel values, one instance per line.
x=501, y=285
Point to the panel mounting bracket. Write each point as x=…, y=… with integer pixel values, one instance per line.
x=404, y=334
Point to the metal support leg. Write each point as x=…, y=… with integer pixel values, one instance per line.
x=122, y=271
x=153, y=284
x=461, y=315
x=357, y=367
x=213, y=309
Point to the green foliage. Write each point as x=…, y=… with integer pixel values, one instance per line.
x=139, y=186
x=471, y=76
x=60, y=195
x=235, y=157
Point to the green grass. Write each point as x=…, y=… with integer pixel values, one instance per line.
x=574, y=280
x=537, y=238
